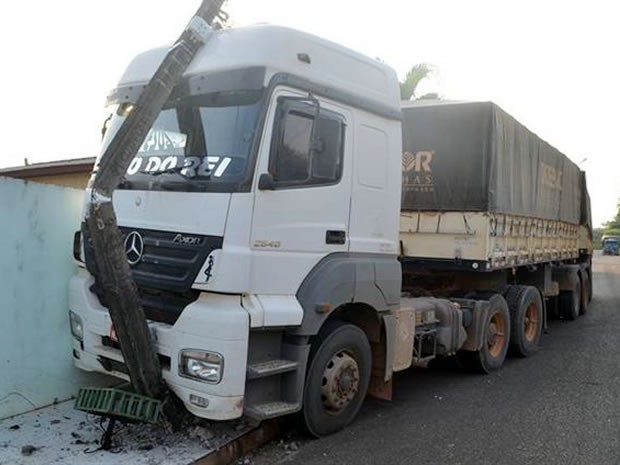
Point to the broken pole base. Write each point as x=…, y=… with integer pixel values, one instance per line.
x=123, y=301
x=106, y=440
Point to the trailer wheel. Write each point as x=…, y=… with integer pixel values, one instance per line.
x=496, y=335
x=570, y=300
x=337, y=379
x=585, y=293
x=526, y=319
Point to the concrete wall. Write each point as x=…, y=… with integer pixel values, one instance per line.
x=37, y=223
x=77, y=180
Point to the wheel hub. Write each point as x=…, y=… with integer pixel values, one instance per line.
x=496, y=334
x=492, y=332
x=340, y=382
x=530, y=322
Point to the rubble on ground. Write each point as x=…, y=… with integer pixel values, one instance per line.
x=61, y=435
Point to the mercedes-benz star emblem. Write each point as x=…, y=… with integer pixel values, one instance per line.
x=134, y=247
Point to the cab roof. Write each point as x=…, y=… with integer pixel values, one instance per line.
x=282, y=50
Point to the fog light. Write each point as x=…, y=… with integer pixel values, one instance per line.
x=77, y=329
x=201, y=365
x=199, y=401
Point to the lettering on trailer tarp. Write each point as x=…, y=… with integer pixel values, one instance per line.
x=418, y=171
x=550, y=176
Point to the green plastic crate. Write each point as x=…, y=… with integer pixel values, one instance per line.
x=118, y=403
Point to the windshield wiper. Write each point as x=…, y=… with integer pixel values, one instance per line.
x=125, y=184
x=174, y=170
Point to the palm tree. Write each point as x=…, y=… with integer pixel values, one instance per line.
x=415, y=75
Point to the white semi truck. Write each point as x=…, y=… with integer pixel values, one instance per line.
x=294, y=240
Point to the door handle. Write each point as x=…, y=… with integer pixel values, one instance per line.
x=335, y=237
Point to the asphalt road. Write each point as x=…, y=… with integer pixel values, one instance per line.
x=560, y=406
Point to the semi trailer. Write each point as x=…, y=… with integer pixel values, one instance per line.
x=297, y=234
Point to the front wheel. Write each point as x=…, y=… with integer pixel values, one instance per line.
x=337, y=379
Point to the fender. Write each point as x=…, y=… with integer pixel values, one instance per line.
x=478, y=310
x=346, y=278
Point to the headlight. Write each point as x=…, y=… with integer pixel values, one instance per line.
x=201, y=365
x=77, y=329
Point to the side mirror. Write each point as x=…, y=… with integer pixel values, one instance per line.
x=266, y=182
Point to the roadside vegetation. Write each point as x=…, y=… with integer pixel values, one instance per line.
x=611, y=228
x=414, y=77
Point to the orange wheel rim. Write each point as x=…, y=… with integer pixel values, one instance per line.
x=496, y=334
x=530, y=322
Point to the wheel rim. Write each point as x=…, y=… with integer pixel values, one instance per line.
x=496, y=334
x=340, y=382
x=530, y=322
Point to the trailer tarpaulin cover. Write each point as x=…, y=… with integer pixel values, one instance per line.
x=476, y=157
x=586, y=208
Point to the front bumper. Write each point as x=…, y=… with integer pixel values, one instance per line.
x=214, y=323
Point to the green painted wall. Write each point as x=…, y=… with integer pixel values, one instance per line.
x=37, y=223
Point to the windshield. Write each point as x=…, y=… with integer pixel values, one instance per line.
x=197, y=143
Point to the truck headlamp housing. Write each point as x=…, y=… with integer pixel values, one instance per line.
x=201, y=365
x=77, y=328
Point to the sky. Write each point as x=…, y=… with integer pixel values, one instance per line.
x=554, y=65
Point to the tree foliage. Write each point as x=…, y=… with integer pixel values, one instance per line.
x=615, y=222
x=413, y=78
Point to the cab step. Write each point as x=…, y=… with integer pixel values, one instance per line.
x=271, y=410
x=270, y=367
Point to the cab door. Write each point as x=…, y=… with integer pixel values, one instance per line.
x=302, y=190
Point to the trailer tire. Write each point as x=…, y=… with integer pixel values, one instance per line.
x=494, y=346
x=585, y=293
x=570, y=300
x=526, y=319
x=337, y=378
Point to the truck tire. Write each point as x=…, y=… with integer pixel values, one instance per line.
x=585, y=293
x=337, y=378
x=494, y=347
x=526, y=319
x=570, y=300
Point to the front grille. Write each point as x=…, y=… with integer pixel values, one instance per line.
x=112, y=365
x=162, y=306
x=168, y=263
x=166, y=271
x=165, y=306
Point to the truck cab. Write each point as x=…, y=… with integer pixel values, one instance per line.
x=263, y=202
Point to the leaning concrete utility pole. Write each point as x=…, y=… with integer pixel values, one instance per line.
x=113, y=272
